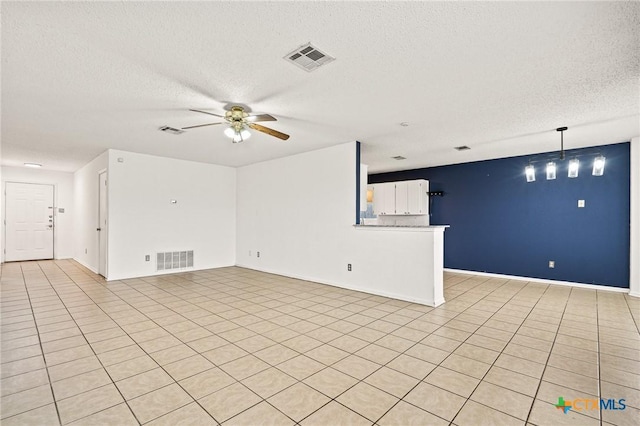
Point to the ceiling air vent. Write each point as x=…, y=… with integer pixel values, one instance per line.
x=399, y=157
x=308, y=57
x=171, y=130
x=461, y=148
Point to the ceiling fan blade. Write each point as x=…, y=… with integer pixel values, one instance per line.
x=261, y=117
x=200, y=125
x=269, y=131
x=205, y=112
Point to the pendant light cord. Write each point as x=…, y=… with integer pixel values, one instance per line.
x=561, y=130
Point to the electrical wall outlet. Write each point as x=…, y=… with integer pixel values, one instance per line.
x=147, y=258
x=552, y=264
x=349, y=267
x=257, y=254
x=580, y=203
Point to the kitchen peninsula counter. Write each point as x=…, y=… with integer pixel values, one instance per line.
x=402, y=261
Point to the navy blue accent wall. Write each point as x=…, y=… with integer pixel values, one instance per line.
x=357, y=183
x=502, y=224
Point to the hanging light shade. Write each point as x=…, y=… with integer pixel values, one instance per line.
x=598, y=165
x=237, y=133
x=229, y=132
x=530, y=173
x=551, y=170
x=574, y=166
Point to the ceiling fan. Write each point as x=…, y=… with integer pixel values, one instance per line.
x=240, y=122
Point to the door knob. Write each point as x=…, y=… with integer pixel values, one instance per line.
x=98, y=229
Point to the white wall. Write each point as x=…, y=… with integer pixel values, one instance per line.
x=63, y=198
x=142, y=220
x=298, y=212
x=86, y=212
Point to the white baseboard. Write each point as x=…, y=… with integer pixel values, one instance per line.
x=540, y=280
x=166, y=272
x=348, y=287
x=634, y=294
x=95, y=271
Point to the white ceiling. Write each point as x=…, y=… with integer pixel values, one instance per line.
x=79, y=78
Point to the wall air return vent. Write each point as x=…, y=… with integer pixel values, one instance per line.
x=308, y=57
x=171, y=260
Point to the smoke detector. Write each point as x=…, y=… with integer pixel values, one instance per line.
x=399, y=157
x=461, y=148
x=308, y=57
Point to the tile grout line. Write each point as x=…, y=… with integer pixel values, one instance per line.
x=502, y=352
x=92, y=350
x=44, y=359
x=147, y=354
x=598, y=358
x=440, y=363
x=564, y=309
x=176, y=294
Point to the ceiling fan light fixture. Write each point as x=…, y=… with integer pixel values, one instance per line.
x=230, y=132
x=239, y=122
x=237, y=135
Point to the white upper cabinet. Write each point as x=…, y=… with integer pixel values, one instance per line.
x=401, y=198
x=384, y=198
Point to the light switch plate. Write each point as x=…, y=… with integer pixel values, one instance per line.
x=580, y=203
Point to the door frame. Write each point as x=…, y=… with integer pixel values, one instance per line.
x=103, y=233
x=4, y=216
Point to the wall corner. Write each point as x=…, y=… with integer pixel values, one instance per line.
x=634, y=249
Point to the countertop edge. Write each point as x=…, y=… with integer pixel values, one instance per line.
x=403, y=227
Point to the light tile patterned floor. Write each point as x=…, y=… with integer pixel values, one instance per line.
x=240, y=347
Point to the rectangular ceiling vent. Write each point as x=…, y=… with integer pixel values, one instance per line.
x=174, y=260
x=171, y=130
x=399, y=157
x=462, y=148
x=308, y=57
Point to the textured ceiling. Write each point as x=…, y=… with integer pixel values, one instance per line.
x=82, y=77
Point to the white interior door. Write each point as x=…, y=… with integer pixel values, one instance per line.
x=29, y=221
x=102, y=224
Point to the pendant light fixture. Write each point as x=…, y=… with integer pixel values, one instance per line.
x=551, y=170
x=598, y=166
x=573, y=166
x=530, y=173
